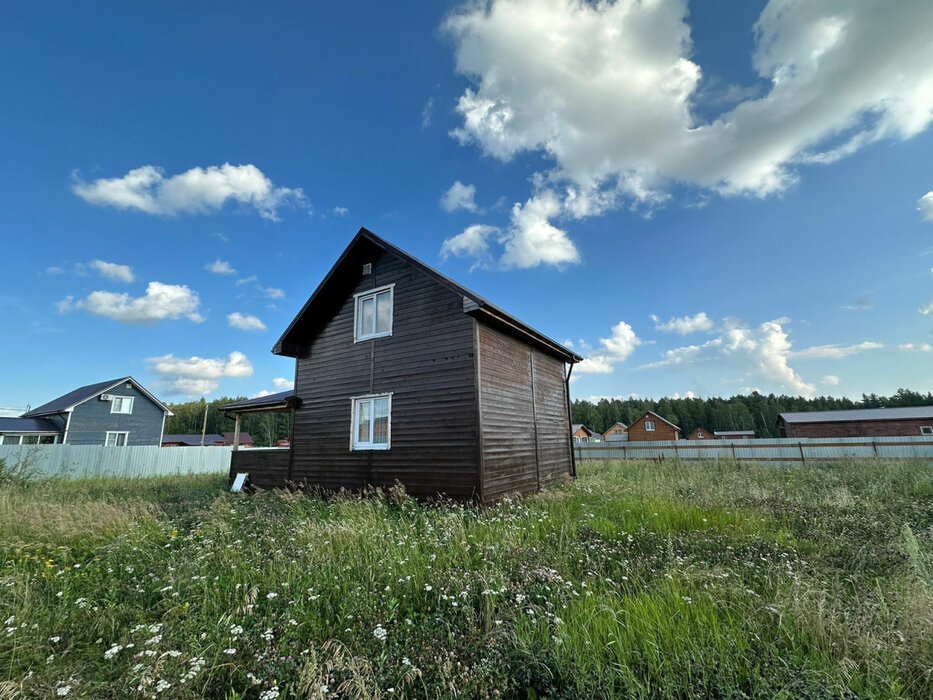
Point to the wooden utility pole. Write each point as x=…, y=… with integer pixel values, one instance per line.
x=204, y=423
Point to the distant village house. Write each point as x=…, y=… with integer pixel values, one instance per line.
x=583, y=435
x=651, y=426
x=864, y=422
x=618, y=432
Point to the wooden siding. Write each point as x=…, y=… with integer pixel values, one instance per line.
x=523, y=416
x=428, y=365
x=91, y=420
x=266, y=468
x=662, y=430
x=866, y=428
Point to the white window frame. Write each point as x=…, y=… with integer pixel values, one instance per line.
x=649, y=426
x=359, y=298
x=115, y=433
x=926, y=429
x=123, y=401
x=18, y=442
x=355, y=445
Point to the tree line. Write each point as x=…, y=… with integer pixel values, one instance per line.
x=741, y=412
x=264, y=428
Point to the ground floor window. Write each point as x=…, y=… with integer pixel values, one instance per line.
x=28, y=439
x=116, y=438
x=371, y=422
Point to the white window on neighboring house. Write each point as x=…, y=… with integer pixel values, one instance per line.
x=649, y=426
x=12, y=439
x=372, y=314
x=926, y=429
x=121, y=404
x=372, y=422
x=700, y=434
x=116, y=438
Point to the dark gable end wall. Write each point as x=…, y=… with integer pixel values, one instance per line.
x=427, y=363
x=91, y=420
x=525, y=427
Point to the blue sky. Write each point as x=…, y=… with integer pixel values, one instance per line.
x=704, y=197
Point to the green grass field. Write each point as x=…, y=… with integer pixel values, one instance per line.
x=637, y=580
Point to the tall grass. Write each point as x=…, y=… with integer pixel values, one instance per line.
x=637, y=580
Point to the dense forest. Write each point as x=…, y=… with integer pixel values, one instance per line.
x=745, y=412
x=264, y=428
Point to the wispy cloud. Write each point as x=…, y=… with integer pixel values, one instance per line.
x=459, y=196
x=245, y=322
x=684, y=324
x=195, y=191
x=198, y=376
x=220, y=267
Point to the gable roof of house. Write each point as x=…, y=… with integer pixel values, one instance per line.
x=617, y=424
x=660, y=418
x=66, y=402
x=858, y=414
x=28, y=425
x=577, y=426
x=473, y=303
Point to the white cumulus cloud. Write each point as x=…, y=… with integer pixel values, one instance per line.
x=612, y=350
x=610, y=93
x=195, y=191
x=473, y=242
x=283, y=383
x=459, y=196
x=245, y=322
x=684, y=324
x=113, y=271
x=531, y=239
x=925, y=206
x=831, y=380
x=926, y=310
x=916, y=347
x=197, y=376
x=220, y=267
x=161, y=302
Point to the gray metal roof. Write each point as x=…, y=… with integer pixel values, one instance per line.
x=733, y=432
x=192, y=440
x=260, y=401
x=28, y=425
x=73, y=398
x=859, y=414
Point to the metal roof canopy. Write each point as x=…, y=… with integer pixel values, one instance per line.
x=908, y=412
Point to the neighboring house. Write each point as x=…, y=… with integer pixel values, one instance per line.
x=283, y=442
x=734, y=434
x=865, y=422
x=618, y=432
x=701, y=434
x=581, y=434
x=652, y=427
x=210, y=440
x=404, y=375
x=114, y=413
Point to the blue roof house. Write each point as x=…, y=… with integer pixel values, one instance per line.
x=114, y=413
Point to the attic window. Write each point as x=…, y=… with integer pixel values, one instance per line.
x=649, y=426
x=368, y=269
x=121, y=404
x=372, y=317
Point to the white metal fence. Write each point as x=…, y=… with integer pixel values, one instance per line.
x=81, y=461
x=767, y=450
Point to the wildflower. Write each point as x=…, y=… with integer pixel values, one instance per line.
x=113, y=651
x=270, y=694
x=272, y=595
x=63, y=690
x=428, y=587
x=230, y=651
x=380, y=633
x=162, y=685
x=55, y=639
x=236, y=630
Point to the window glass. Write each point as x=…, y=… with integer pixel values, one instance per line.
x=11, y=439
x=47, y=440
x=384, y=312
x=363, y=421
x=30, y=439
x=381, y=421
x=649, y=425
x=366, y=317
x=926, y=430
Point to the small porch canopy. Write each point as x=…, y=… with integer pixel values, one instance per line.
x=282, y=402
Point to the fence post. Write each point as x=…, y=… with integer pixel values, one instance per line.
x=874, y=447
x=803, y=458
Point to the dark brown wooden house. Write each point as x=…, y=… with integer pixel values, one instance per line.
x=404, y=375
x=651, y=426
x=865, y=422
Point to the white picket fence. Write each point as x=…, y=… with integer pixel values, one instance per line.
x=82, y=461
x=778, y=451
